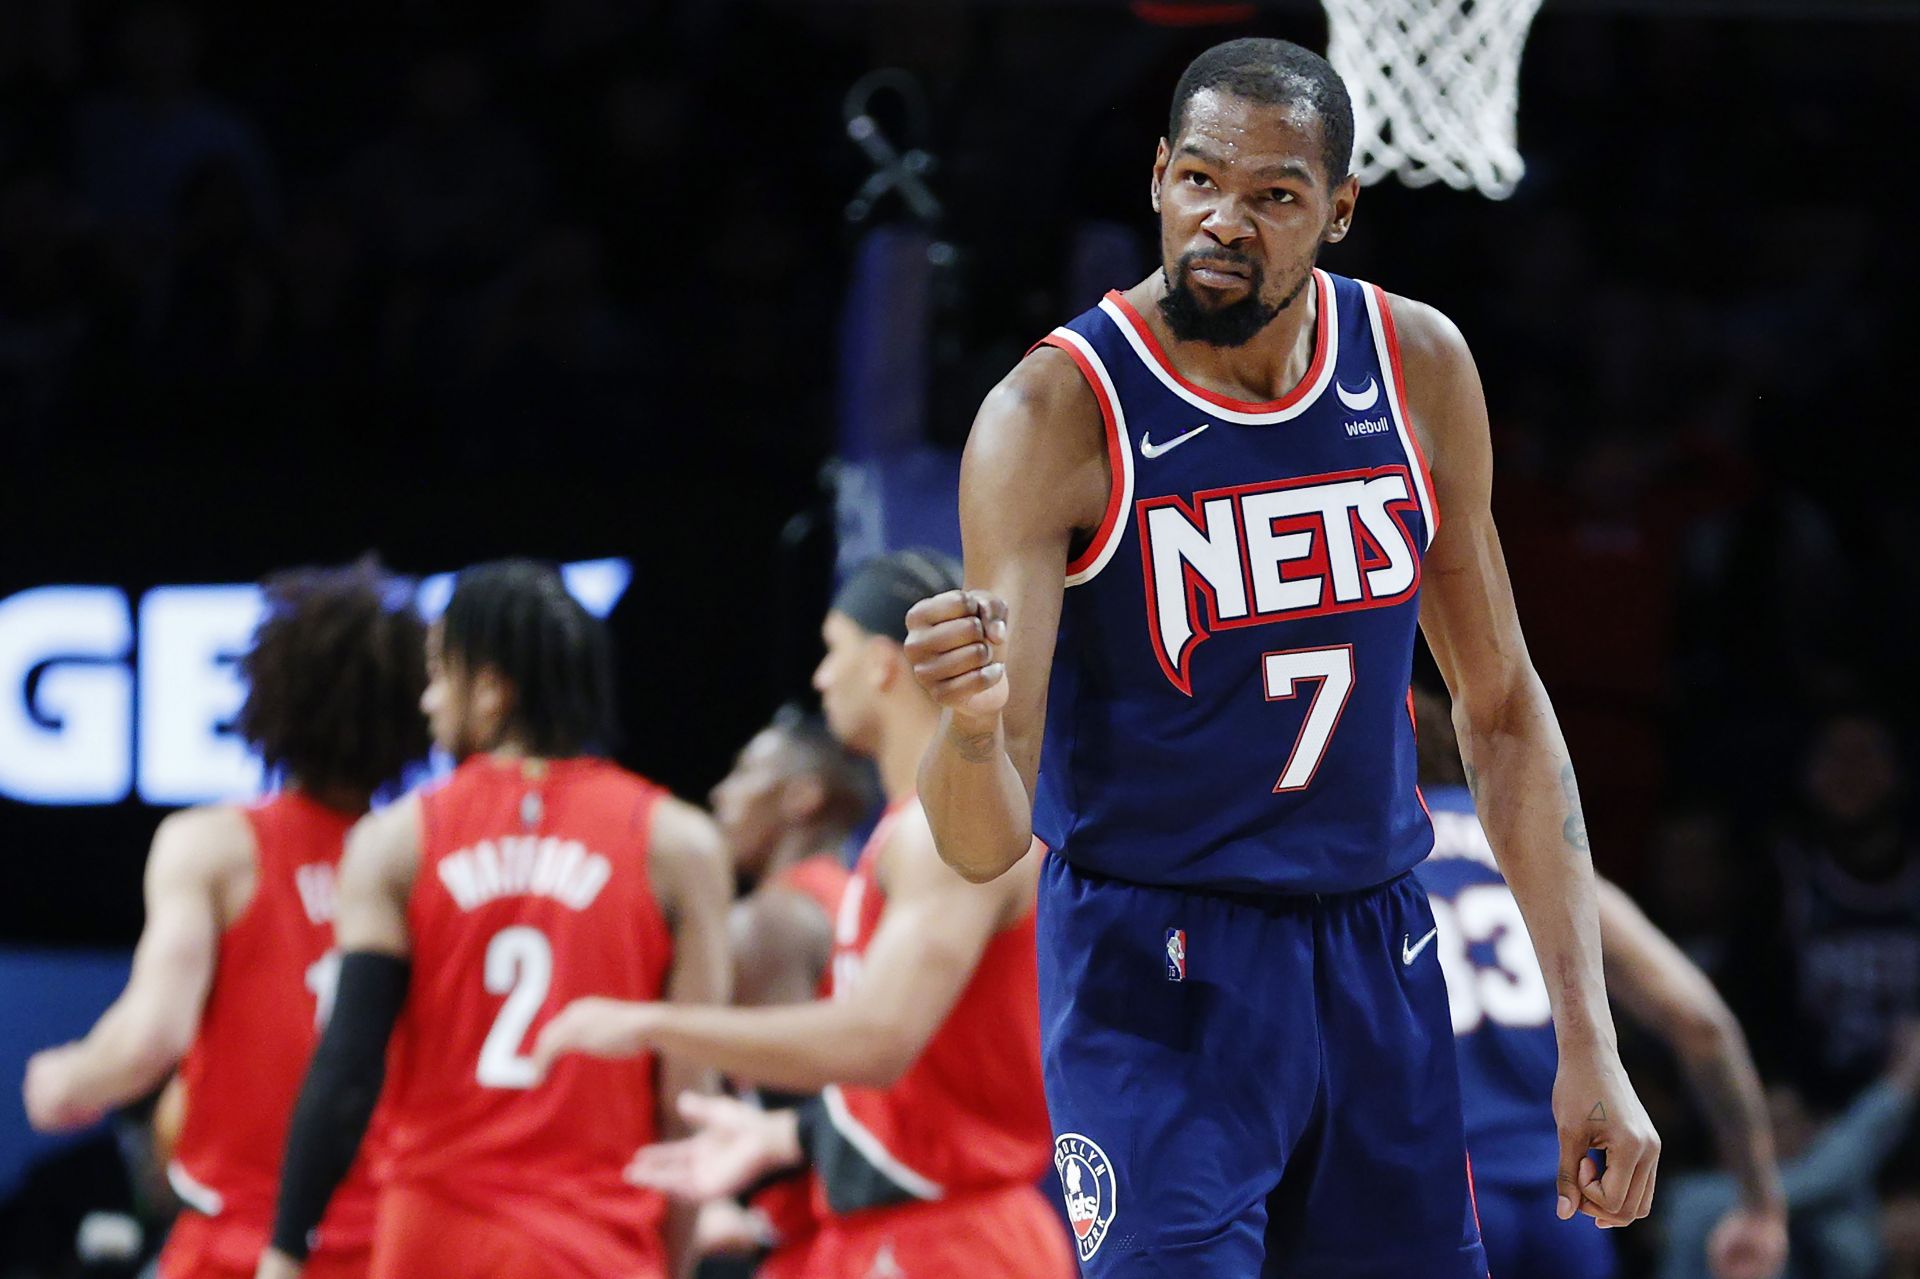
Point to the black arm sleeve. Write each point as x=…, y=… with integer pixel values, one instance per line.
x=852, y=1180
x=336, y=1102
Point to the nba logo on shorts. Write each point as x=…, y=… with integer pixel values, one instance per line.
x=1176, y=954
x=1086, y=1178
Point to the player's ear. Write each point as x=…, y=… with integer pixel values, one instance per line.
x=1162, y=156
x=886, y=662
x=1346, y=193
x=491, y=699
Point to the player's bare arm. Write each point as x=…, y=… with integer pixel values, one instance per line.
x=688, y=865
x=1033, y=480
x=199, y=877
x=1664, y=990
x=924, y=951
x=343, y=1082
x=376, y=878
x=1520, y=772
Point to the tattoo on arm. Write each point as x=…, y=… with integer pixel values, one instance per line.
x=1575, y=828
x=1473, y=781
x=975, y=748
x=1599, y=1112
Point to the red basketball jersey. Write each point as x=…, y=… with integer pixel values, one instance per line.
x=970, y=1112
x=820, y=877
x=533, y=891
x=272, y=988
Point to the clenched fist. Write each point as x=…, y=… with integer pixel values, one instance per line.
x=957, y=644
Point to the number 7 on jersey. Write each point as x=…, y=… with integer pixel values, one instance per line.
x=1332, y=670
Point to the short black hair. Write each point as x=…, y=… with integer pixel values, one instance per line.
x=334, y=677
x=516, y=617
x=1274, y=73
x=846, y=782
x=878, y=594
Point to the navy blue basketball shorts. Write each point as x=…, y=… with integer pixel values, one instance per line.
x=1244, y=1086
x=1527, y=1240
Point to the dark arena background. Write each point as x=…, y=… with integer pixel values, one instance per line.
x=609, y=282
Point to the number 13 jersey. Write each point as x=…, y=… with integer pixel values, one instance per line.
x=533, y=891
x=1229, y=700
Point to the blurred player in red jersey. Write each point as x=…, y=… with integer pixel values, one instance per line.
x=536, y=874
x=235, y=966
x=931, y=1129
x=785, y=809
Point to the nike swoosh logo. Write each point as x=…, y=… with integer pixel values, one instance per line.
x=1149, y=449
x=1359, y=401
x=1410, y=949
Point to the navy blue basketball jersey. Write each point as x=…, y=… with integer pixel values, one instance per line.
x=1502, y=1020
x=1229, y=703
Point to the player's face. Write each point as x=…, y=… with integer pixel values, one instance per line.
x=849, y=683
x=748, y=801
x=1245, y=203
x=441, y=700
x=456, y=704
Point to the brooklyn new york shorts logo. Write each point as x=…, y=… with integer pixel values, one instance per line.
x=1086, y=1178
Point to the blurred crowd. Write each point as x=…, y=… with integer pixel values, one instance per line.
x=406, y=226
x=456, y=238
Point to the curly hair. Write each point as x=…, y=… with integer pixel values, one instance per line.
x=516, y=617
x=334, y=678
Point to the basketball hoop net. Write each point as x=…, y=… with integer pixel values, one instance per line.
x=1436, y=88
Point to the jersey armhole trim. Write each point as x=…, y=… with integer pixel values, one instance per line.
x=1387, y=341
x=1084, y=567
x=874, y=1151
x=193, y=1192
x=1413, y=721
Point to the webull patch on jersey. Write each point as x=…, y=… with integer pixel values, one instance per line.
x=1086, y=1179
x=1255, y=554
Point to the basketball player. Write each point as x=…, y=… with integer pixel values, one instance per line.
x=930, y=1129
x=1200, y=528
x=536, y=873
x=785, y=810
x=235, y=965
x=1501, y=1024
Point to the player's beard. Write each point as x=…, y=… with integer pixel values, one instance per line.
x=1236, y=323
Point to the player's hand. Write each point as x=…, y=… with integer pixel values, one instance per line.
x=47, y=1093
x=1749, y=1243
x=724, y=1228
x=957, y=646
x=1595, y=1108
x=596, y=1026
x=732, y=1146
x=275, y=1264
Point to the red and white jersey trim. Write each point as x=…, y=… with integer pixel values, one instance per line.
x=193, y=1192
x=1326, y=355
x=1087, y=565
x=861, y=1138
x=1386, y=345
